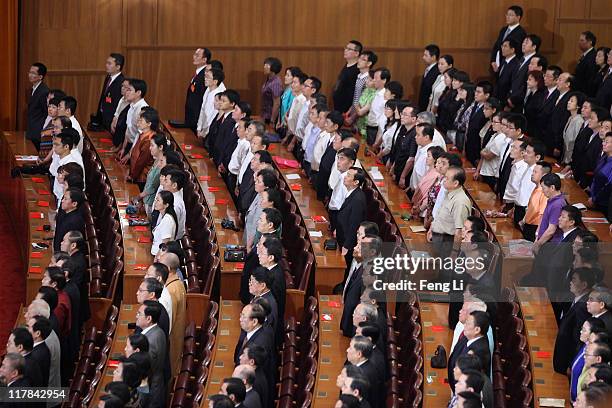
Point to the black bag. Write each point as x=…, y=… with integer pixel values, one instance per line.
x=330, y=244
x=439, y=359
x=234, y=255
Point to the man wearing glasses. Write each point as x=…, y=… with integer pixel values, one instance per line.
x=345, y=85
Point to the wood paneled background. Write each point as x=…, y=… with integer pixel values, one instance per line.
x=158, y=37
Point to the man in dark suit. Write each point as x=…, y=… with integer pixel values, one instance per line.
x=37, y=102
x=572, y=318
x=196, y=88
x=40, y=328
x=225, y=139
x=474, y=342
x=332, y=125
x=352, y=213
x=69, y=218
x=587, y=148
x=147, y=319
x=553, y=138
x=377, y=358
x=247, y=374
x=20, y=341
x=357, y=385
x=111, y=91
x=270, y=254
x=604, y=93
x=74, y=244
x=512, y=30
x=599, y=304
x=509, y=64
x=476, y=122
x=551, y=78
x=430, y=58
x=358, y=354
x=235, y=389
x=246, y=188
x=259, y=286
x=529, y=48
x=586, y=68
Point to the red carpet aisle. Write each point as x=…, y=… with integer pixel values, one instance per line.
x=12, y=282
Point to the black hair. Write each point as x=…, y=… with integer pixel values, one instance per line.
x=359, y=176
x=385, y=74
x=112, y=401
x=168, y=198
x=235, y=387
x=551, y=180
x=274, y=248
x=43, y=325
x=258, y=313
x=357, y=45
x=481, y=320
x=138, y=85
x=574, y=214
x=154, y=286
x=477, y=223
x=589, y=36
x=535, y=40
x=262, y=275
x=448, y=58
x=275, y=64
x=371, y=55
x=257, y=354
x=433, y=50
x=268, y=177
x=459, y=174
x=215, y=64
x=265, y=157
x=273, y=216
x=396, y=89
x=370, y=228
x=150, y=115
x=119, y=59
x=316, y=83
x=22, y=337
x=232, y=95
x=139, y=341
x=556, y=70
x=162, y=270
x=486, y=86
x=173, y=158
x=70, y=102
x=245, y=108
x=542, y=61
x=40, y=68
x=179, y=177
x=152, y=309
x=120, y=390
x=217, y=75
x=348, y=153
x=50, y=296
x=274, y=197
x=474, y=380
x=518, y=10
x=336, y=118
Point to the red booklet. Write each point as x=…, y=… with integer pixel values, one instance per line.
x=144, y=240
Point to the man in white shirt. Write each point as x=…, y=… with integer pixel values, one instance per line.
x=242, y=148
x=310, y=89
x=428, y=118
x=533, y=153
x=254, y=133
x=67, y=107
x=345, y=160
x=348, y=143
x=516, y=173
x=423, y=137
x=63, y=147
x=174, y=183
x=213, y=79
x=134, y=94
x=160, y=272
x=299, y=100
x=376, y=115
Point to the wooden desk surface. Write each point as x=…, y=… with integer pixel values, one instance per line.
x=435, y=331
x=228, y=333
x=332, y=351
x=34, y=194
x=137, y=256
x=396, y=200
x=331, y=262
x=127, y=314
x=541, y=331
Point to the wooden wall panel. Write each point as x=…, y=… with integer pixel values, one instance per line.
x=9, y=23
x=159, y=37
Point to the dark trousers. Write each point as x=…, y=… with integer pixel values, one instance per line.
x=371, y=132
x=490, y=180
x=333, y=218
x=36, y=169
x=519, y=213
x=529, y=232
x=442, y=247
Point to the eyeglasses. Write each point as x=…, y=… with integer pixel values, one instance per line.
x=496, y=121
x=350, y=49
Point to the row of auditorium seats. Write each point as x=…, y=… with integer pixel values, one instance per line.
x=404, y=356
x=188, y=390
x=93, y=357
x=378, y=212
x=511, y=363
x=103, y=230
x=299, y=358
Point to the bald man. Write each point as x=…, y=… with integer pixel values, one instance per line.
x=178, y=295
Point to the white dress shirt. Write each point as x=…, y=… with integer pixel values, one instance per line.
x=388, y=136
x=339, y=193
x=335, y=173
x=132, y=119
x=526, y=187
x=498, y=55
x=166, y=301
x=238, y=156
x=77, y=126
x=319, y=149
x=514, y=181
x=245, y=163
x=376, y=115
x=496, y=145
x=208, y=112
x=294, y=112
x=121, y=106
x=436, y=91
x=165, y=229
x=438, y=140
x=439, y=199
x=73, y=157
x=181, y=213
x=302, y=121
x=420, y=165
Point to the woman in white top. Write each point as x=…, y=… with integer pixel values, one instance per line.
x=391, y=128
x=573, y=125
x=488, y=166
x=167, y=222
x=444, y=64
